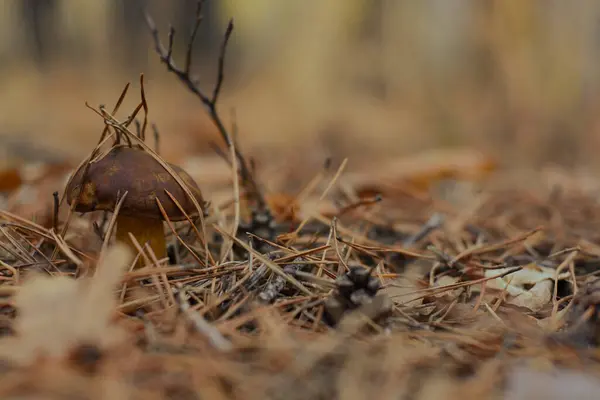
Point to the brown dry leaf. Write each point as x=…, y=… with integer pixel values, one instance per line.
x=355, y=320
x=448, y=280
x=460, y=311
x=10, y=179
x=405, y=289
x=57, y=313
x=531, y=287
x=423, y=170
x=33, y=199
x=283, y=206
x=314, y=205
x=34, y=173
x=515, y=283
x=535, y=298
x=554, y=322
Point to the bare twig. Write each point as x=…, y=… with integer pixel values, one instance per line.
x=111, y=225
x=274, y=267
x=192, y=84
x=156, y=138
x=217, y=88
x=145, y=107
x=55, y=211
x=228, y=243
x=431, y=225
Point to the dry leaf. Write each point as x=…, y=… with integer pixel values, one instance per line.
x=535, y=298
x=314, y=205
x=353, y=321
x=517, y=282
x=283, y=206
x=531, y=287
x=57, y=313
x=447, y=280
x=405, y=289
x=423, y=170
x=10, y=179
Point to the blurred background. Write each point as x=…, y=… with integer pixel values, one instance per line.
x=311, y=78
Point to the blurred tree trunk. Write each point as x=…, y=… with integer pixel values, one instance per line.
x=13, y=46
x=131, y=32
x=39, y=25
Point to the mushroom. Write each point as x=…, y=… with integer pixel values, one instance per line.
x=135, y=171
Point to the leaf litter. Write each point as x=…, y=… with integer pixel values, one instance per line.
x=438, y=282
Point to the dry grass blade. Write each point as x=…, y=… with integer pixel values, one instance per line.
x=200, y=236
x=325, y=192
x=274, y=267
x=565, y=264
x=174, y=231
x=111, y=224
x=155, y=281
x=17, y=250
x=376, y=249
x=64, y=248
x=163, y=278
x=214, y=336
x=445, y=288
x=336, y=246
x=227, y=247
x=87, y=164
x=502, y=245
x=120, y=127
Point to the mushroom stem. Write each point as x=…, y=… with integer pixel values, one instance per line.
x=145, y=230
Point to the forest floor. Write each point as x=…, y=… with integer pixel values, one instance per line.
x=319, y=268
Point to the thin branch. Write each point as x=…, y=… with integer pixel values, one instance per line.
x=138, y=128
x=55, y=211
x=145, y=107
x=192, y=39
x=170, y=51
x=219, y=152
x=191, y=83
x=156, y=138
x=167, y=59
x=217, y=89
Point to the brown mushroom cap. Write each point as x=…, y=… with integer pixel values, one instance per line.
x=133, y=170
